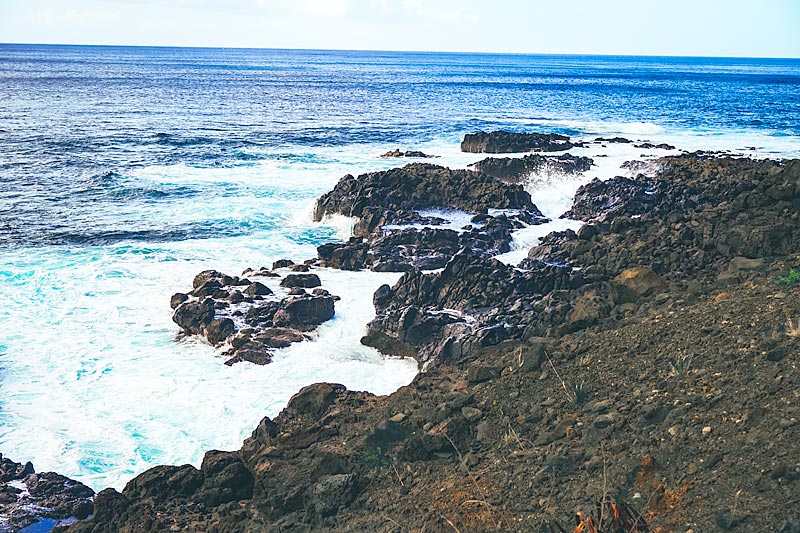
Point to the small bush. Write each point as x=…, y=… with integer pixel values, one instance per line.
x=580, y=393
x=680, y=364
x=792, y=278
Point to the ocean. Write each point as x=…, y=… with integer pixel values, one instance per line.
x=124, y=171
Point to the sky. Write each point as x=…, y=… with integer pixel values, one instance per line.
x=738, y=28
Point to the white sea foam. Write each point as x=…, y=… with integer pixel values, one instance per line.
x=96, y=384
x=343, y=225
x=454, y=219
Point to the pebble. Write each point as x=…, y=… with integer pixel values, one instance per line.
x=706, y=430
x=399, y=417
x=603, y=421
x=471, y=413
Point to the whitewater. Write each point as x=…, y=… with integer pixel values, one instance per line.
x=104, y=217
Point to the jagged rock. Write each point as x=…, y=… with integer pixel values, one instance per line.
x=600, y=200
x=279, y=337
x=177, y=299
x=257, y=289
x=109, y=506
x=306, y=281
x=407, y=153
x=352, y=255
x=614, y=140
x=305, y=311
x=314, y=399
x=392, y=198
x=418, y=186
x=193, y=315
x=499, y=142
x=712, y=208
x=161, y=483
x=473, y=296
x=648, y=145
x=250, y=325
x=225, y=479
x=635, y=283
x=515, y=169
x=47, y=495
x=282, y=263
x=205, y=276
x=212, y=288
x=11, y=471
x=219, y=329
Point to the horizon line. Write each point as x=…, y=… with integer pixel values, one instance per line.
x=197, y=47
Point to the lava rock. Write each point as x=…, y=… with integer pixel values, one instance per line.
x=498, y=142
x=306, y=281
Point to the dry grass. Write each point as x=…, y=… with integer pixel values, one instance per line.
x=792, y=328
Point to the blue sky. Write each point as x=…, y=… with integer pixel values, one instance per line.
x=766, y=28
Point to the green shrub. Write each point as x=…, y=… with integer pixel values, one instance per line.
x=792, y=278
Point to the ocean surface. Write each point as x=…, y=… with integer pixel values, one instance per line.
x=125, y=171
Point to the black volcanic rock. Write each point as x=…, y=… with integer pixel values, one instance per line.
x=351, y=255
x=599, y=200
x=714, y=209
x=505, y=142
x=614, y=140
x=306, y=281
x=418, y=186
x=305, y=311
x=407, y=153
x=222, y=313
x=514, y=169
x=48, y=495
x=192, y=316
x=474, y=299
x=390, y=229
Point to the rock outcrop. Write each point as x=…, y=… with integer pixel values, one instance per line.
x=394, y=194
x=28, y=497
x=475, y=301
x=407, y=153
x=506, y=142
x=396, y=230
x=249, y=316
x=692, y=219
x=516, y=169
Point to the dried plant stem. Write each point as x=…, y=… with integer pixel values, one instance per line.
x=564, y=385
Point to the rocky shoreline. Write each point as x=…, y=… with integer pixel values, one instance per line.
x=28, y=497
x=648, y=360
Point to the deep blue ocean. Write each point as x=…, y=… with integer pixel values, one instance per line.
x=126, y=170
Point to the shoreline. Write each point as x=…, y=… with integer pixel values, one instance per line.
x=407, y=433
